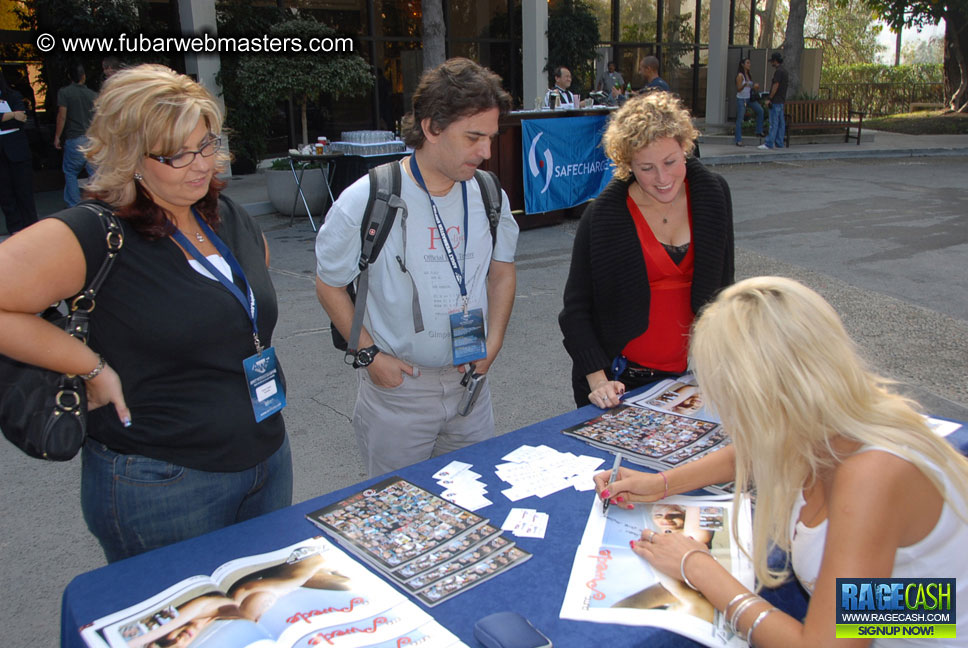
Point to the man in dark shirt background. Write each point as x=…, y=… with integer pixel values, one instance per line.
x=649, y=67
x=75, y=106
x=775, y=99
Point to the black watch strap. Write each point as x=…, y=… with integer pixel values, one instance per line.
x=365, y=356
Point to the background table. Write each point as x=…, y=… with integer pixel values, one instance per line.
x=535, y=588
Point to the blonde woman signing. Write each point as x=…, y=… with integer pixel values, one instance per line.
x=849, y=479
x=654, y=247
x=181, y=451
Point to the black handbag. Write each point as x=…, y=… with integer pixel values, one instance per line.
x=42, y=412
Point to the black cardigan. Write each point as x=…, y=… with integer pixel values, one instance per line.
x=607, y=292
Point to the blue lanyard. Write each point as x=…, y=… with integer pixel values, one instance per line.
x=247, y=304
x=442, y=230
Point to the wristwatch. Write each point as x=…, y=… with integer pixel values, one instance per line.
x=364, y=357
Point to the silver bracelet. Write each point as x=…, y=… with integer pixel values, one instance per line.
x=93, y=373
x=759, y=618
x=736, y=599
x=682, y=565
x=733, y=622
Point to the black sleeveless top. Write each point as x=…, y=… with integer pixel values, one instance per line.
x=177, y=340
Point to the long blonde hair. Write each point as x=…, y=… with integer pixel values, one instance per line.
x=774, y=360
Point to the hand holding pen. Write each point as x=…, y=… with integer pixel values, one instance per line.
x=611, y=480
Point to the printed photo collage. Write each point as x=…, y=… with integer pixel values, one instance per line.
x=432, y=548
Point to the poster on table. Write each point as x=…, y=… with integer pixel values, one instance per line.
x=610, y=583
x=564, y=163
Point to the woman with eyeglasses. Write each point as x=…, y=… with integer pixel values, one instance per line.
x=177, y=446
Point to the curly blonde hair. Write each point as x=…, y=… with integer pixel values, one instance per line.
x=643, y=120
x=141, y=110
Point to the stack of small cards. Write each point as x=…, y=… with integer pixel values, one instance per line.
x=526, y=523
x=462, y=486
x=542, y=471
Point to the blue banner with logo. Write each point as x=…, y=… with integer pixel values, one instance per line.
x=564, y=163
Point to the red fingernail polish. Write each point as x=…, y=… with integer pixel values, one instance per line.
x=619, y=499
x=605, y=494
x=632, y=543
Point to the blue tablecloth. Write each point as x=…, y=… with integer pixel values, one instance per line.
x=535, y=588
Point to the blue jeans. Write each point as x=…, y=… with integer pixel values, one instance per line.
x=741, y=114
x=74, y=161
x=774, y=139
x=133, y=504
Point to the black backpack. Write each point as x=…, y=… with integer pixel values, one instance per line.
x=381, y=211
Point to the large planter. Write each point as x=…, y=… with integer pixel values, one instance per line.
x=281, y=187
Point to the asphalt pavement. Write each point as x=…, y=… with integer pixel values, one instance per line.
x=879, y=229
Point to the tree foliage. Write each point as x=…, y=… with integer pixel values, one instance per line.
x=918, y=13
x=572, y=37
x=883, y=89
x=846, y=31
x=262, y=80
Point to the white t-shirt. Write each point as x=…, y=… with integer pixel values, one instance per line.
x=389, y=312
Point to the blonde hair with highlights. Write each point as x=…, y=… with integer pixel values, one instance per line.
x=773, y=359
x=643, y=120
x=141, y=110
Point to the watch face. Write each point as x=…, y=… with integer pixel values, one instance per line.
x=365, y=356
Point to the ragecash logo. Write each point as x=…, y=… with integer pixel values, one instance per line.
x=545, y=165
x=896, y=607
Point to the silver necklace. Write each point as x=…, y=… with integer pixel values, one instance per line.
x=199, y=237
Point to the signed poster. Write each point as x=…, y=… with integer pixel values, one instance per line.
x=610, y=583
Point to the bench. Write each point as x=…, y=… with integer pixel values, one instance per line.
x=823, y=114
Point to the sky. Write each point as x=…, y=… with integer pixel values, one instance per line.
x=887, y=39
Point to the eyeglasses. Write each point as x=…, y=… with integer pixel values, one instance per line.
x=182, y=160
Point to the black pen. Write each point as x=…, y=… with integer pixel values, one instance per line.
x=611, y=480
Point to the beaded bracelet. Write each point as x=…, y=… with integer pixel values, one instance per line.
x=682, y=565
x=738, y=612
x=759, y=617
x=93, y=373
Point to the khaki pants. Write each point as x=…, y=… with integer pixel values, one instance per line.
x=417, y=420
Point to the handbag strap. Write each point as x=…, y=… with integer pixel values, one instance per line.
x=82, y=305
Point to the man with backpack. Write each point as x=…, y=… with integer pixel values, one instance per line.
x=430, y=242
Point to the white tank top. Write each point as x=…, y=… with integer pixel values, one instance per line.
x=941, y=554
x=745, y=92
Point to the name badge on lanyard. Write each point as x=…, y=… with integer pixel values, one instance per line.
x=467, y=325
x=261, y=370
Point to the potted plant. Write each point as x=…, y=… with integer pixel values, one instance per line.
x=266, y=79
x=281, y=187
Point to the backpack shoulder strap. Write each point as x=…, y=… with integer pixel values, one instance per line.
x=491, y=193
x=381, y=210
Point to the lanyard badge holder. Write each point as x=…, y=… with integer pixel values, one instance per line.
x=262, y=369
x=467, y=335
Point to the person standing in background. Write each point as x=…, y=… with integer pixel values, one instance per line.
x=75, y=106
x=776, y=100
x=16, y=170
x=649, y=67
x=744, y=89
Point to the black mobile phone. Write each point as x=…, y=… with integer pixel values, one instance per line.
x=472, y=382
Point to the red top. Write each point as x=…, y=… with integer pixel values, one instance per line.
x=665, y=344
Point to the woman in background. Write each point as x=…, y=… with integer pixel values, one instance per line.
x=650, y=251
x=744, y=84
x=849, y=479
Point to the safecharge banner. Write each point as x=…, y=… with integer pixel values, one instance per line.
x=564, y=163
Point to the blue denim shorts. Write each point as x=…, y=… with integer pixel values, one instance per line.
x=133, y=504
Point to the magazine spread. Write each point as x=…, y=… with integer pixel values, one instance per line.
x=307, y=594
x=661, y=428
x=610, y=583
x=432, y=548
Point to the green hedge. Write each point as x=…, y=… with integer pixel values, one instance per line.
x=883, y=89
